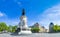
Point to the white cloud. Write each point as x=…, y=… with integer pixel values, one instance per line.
x=7, y=20
x=51, y=14
x=12, y=22
x=2, y=14
x=19, y=3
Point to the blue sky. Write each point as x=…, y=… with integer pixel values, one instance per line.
x=41, y=11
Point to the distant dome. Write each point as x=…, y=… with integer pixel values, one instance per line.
x=51, y=23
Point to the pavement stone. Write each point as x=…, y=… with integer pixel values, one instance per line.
x=32, y=35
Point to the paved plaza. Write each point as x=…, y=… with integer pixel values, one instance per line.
x=32, y=35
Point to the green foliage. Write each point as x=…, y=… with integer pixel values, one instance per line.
x=3, y=26
x=10, y=28
x=35, y=29
x=14, y=28
x=56, y=28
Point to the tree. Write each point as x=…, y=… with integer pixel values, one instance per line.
x=3, y=26
x=56, y=28
x=10, y=28
x=35, y=29
x=14, y=28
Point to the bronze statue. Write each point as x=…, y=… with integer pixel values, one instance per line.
x=23, y=12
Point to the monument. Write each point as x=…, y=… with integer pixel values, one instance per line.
x=22, y=27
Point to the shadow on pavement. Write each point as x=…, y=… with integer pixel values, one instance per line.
x=16, y=34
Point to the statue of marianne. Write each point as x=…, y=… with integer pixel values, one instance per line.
x=23, y=12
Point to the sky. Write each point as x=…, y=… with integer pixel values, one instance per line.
x=41, y=11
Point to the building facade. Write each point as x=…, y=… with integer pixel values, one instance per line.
x=42, y=28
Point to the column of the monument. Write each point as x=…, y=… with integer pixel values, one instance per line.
x=21, y=25
x=25, y=22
